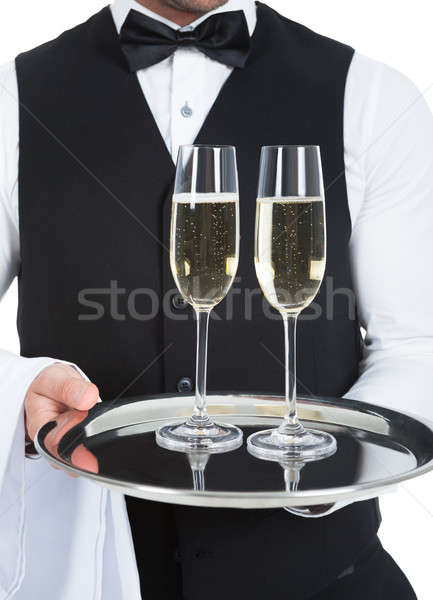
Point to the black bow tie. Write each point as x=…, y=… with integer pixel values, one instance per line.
x=223, y=37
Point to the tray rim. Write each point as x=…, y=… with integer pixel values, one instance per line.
x=259, y=500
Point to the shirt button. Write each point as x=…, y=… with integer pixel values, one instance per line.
x=184, y=385
x=178, y=302
x=186, y=111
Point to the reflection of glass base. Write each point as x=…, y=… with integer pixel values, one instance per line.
x=304, y=445
x=195, y=435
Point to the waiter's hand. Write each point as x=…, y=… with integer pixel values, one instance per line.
x=56, y=390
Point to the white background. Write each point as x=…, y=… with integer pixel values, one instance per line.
x=394, y=32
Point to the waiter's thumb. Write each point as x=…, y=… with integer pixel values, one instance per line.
x=65, y=385
x=56, y=390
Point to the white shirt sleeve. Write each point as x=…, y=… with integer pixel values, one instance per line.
x=9, y=138
x=16, y=372
x=388, y=141
x=389, y=164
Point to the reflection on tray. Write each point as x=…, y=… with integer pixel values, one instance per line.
x=197, y=462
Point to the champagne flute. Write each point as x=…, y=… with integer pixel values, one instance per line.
x=204, y=256
x=290, y=258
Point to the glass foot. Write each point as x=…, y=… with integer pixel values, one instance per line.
x=303, y=444
x=199, y=435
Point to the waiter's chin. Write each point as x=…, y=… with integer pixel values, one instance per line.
x=195, y=6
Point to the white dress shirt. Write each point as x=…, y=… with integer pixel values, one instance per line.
x=388, y=142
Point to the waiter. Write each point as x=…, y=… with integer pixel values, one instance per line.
x=90, y=124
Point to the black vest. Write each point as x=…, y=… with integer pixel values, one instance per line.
x=95, y=181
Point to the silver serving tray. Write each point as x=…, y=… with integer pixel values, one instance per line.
x=114, y=445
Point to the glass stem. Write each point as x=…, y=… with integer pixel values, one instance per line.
x=290, y=424
x=198, y=462
x=292, y=477
x=198, y=480
x=200, y=413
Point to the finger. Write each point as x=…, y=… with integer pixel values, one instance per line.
x=65, y=385
x=65, y=422
x=82, y=458
x=78, y=394
x=39, y=411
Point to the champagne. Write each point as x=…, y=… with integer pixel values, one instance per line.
x=204, y=247
x=290, y=250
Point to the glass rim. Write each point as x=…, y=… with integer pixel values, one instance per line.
x=291, y=146
x=208, y=146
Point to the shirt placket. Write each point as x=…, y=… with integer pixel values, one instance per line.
x=183, y=114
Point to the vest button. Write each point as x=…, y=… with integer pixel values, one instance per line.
x=184, y=385
x=179, y=302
